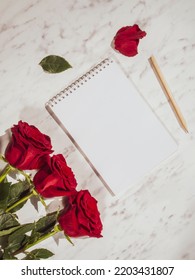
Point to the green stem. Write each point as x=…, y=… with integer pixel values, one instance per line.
x=5, y=172
x=19, y=202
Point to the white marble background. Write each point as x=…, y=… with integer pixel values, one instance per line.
x=157, y=221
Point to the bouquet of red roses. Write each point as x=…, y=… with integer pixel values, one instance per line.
x=29, y=149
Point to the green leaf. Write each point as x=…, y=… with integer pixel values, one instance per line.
x=8, y=256
x=8, y=231
x=38, y=254
x=54, y=64
x=17, y=244
x=23, y=229
x=43, y=226
x=34, y=237
x=42, y=253
x=18, y=238
x=17, y=192
x=11, y=193
x=46, y=223
x=8, y=220
x=4, y=195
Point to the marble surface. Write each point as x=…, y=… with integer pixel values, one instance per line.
x=156, y=218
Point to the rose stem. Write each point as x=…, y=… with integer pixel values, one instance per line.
x=5, y=171
x=19, y=202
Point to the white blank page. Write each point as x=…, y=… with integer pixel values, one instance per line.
x=114, y=127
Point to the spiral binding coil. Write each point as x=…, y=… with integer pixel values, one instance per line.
x=79, y=82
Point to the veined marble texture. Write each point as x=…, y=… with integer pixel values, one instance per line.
x=156, y=218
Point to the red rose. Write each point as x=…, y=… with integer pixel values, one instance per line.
x=81, y=216
x=127, y=38
x=55, y=178
x=28, y=147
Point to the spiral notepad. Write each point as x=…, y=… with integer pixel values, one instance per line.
x=112, y=126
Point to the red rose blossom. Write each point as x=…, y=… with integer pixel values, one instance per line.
x=127, y=39
x=81, y=216
x=28, y=147
x=55, y=178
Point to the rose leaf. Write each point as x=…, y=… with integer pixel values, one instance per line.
x=17, y=191
x=8, y=255
x=16, y=244
x=38, y=254
x=45, y=224
x=8, y=220
x=8, y=231
x=23, y=229
x=4, y=195
x=54, y=64
x=18, y=239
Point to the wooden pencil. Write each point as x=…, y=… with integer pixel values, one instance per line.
x=168, y=93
